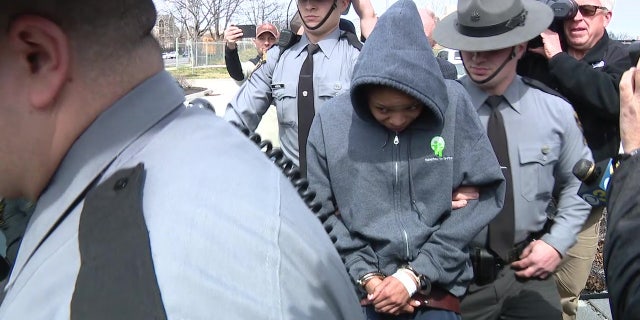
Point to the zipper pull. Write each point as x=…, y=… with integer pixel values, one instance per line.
x=396, y=141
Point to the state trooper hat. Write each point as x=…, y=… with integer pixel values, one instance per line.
x=484, y=25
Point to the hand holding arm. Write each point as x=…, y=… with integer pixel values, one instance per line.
x=630, y=109
x=461, y=195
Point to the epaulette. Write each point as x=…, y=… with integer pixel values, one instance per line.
x=352, y=38
x=286, y=40
x=543, y=87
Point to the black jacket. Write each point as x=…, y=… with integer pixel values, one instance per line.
x=591, y=86
x=232, y=61
x=621, y=250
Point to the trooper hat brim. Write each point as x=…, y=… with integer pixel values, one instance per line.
x=538, y=18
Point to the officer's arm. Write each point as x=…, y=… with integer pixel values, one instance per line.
x=254, y=96
x=572, y=210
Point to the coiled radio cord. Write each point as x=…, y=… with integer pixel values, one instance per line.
x=289, y=169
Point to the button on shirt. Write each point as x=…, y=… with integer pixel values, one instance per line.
x=544, y=144
x=276, y=82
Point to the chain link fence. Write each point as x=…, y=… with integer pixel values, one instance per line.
x=203, y=54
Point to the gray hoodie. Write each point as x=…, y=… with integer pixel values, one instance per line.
x=391, y=192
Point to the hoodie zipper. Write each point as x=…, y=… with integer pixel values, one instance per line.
x=396, y=147
x=396, y=142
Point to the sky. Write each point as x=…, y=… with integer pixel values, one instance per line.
x=625, y=12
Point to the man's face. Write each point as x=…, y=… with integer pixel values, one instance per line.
x=313, y=13
x=264, y=42
x=482, y=65
x=392, y=108
x=588, y=26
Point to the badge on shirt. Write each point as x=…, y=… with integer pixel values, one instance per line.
x=598, y=64
x=277, y=86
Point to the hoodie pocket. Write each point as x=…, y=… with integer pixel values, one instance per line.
x=536, y=168
x=286, y=104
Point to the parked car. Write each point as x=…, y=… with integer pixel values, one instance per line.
x=459, y=68
x=450, y=55
x=169, y=55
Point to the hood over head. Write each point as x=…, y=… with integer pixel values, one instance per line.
x=397, y=54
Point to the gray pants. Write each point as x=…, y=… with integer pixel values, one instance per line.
x=509, y=297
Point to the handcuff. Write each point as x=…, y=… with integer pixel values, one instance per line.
x=424, y=284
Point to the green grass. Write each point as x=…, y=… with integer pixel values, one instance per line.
x=199, y=72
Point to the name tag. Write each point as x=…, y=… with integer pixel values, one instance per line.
x=277, y=86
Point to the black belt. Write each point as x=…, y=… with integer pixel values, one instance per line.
x=486, y=264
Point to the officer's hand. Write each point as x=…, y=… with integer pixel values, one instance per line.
x=538, y=260
x=390, y=296
x=462, y=194
x=231, y=35
x=551, y=44
x=630, y=109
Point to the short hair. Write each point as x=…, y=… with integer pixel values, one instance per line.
x=106, y=28
x=608, y=4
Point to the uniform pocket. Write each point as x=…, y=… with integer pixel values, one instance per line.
x=536, y=169
x=285, y=97
x=328, y=90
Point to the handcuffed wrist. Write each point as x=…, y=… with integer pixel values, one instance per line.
x=407, y=279
x=364, y=279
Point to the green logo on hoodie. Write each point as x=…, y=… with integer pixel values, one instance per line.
x=437, y=144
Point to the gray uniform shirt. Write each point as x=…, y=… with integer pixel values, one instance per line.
x=544, y=143
x=248, y=249
x=276, y=82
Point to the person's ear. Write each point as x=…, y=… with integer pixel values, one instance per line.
x=44, y=50
x=607, y=18
x=344, y=4
x=520, y=50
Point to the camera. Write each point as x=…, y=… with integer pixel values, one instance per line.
x=562, y=10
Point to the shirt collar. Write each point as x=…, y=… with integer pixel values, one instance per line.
x=512, y=95
x=327, y=44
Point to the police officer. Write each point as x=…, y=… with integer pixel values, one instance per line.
x=537, y=141
x=276, y=81
x=582, y=63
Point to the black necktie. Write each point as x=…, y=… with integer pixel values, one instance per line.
x=502, y=227
x=306, y=109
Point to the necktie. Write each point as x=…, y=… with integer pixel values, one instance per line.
x=306, y=109
x=502, y=227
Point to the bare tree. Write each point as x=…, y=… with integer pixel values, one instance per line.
x=224, y=11
x=199, y=17
x=438, y=7
x=260, y=11
x=621, y=36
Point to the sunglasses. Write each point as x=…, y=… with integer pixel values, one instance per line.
x=589, y=10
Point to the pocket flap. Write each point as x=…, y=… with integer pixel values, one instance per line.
x=542, y=154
